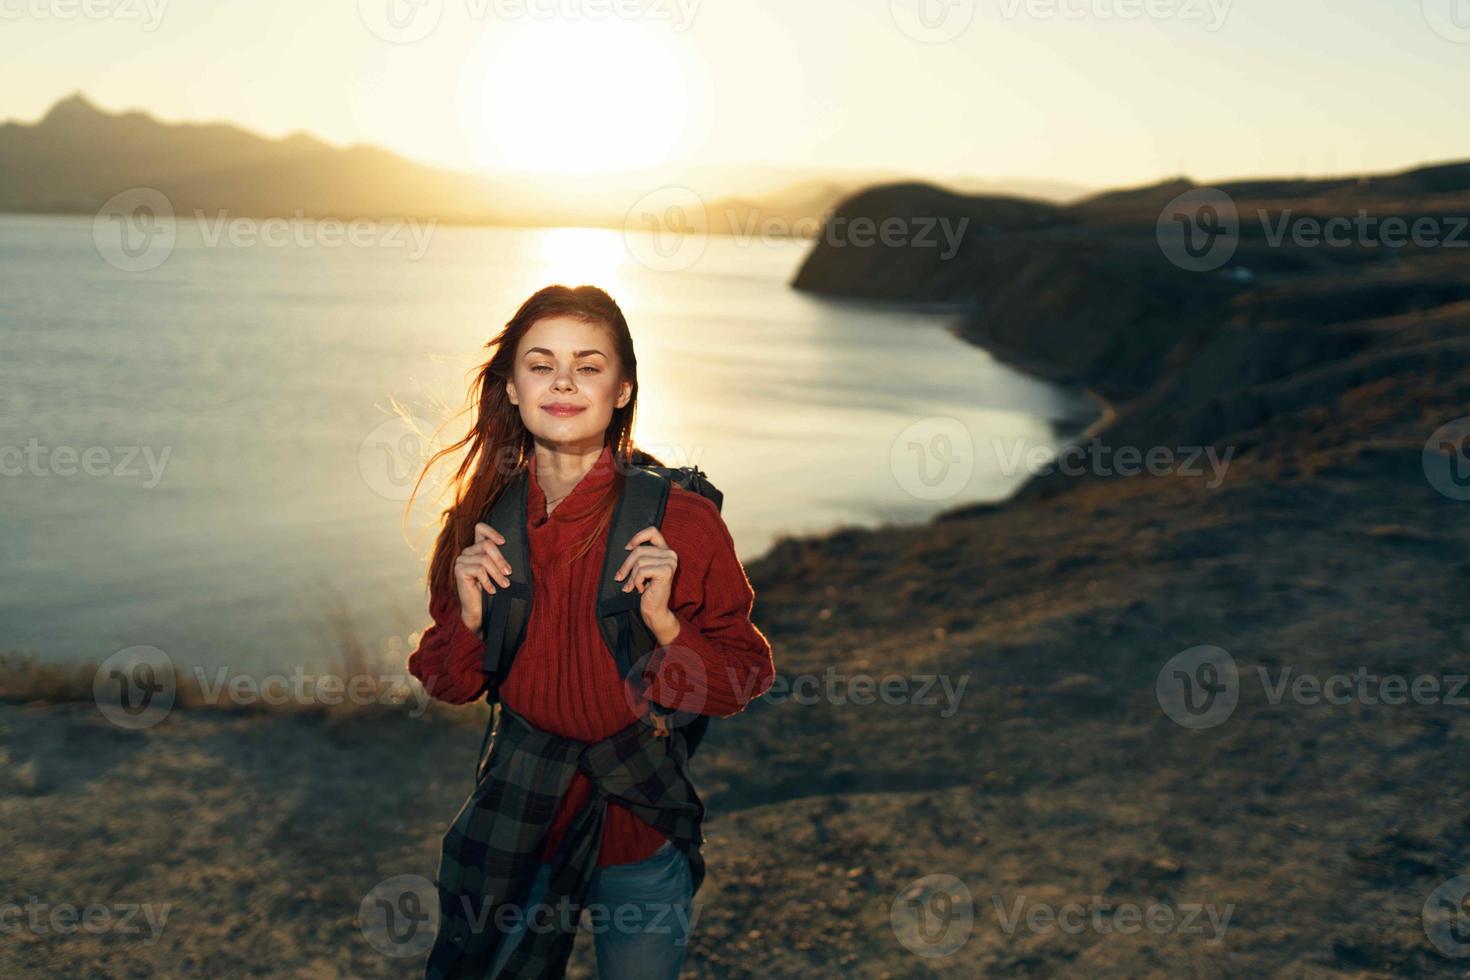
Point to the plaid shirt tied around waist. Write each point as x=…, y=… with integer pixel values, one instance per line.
x=494, y=845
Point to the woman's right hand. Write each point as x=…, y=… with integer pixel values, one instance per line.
x=481, y=565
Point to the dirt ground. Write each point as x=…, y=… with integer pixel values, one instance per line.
x=1291, y=838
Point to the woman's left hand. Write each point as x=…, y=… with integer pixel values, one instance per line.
x=650, y=569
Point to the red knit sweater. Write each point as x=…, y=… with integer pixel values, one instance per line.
x=565, y=680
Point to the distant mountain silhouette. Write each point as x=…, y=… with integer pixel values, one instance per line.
x=1433, y=179
x=79, y=156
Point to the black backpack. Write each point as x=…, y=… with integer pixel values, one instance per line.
x=505, y=614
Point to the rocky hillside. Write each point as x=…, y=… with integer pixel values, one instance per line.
x=1254, y=353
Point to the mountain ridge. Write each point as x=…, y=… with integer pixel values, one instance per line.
x=77, y=156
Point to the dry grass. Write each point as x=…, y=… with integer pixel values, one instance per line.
x=378, y=689
x=24, y=678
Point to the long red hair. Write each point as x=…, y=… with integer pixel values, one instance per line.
x=498, y=444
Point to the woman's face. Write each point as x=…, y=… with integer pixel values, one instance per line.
x=566, y=362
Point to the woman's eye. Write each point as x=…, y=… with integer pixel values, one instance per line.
x=536, y=368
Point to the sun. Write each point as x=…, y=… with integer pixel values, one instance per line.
x=577, y=97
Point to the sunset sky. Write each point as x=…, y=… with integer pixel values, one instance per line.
x=1066, y=90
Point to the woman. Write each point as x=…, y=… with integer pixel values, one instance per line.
x=558, y=397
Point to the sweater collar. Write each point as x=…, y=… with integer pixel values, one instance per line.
x=580, y=502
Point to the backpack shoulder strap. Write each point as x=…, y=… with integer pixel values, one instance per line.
x=503, y=616
x=644, y=497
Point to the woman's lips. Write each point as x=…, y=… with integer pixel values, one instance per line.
x=563, y=411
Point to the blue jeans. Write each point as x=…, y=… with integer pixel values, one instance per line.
x=639, y=915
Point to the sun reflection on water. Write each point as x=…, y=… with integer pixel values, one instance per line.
x=578, y=256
